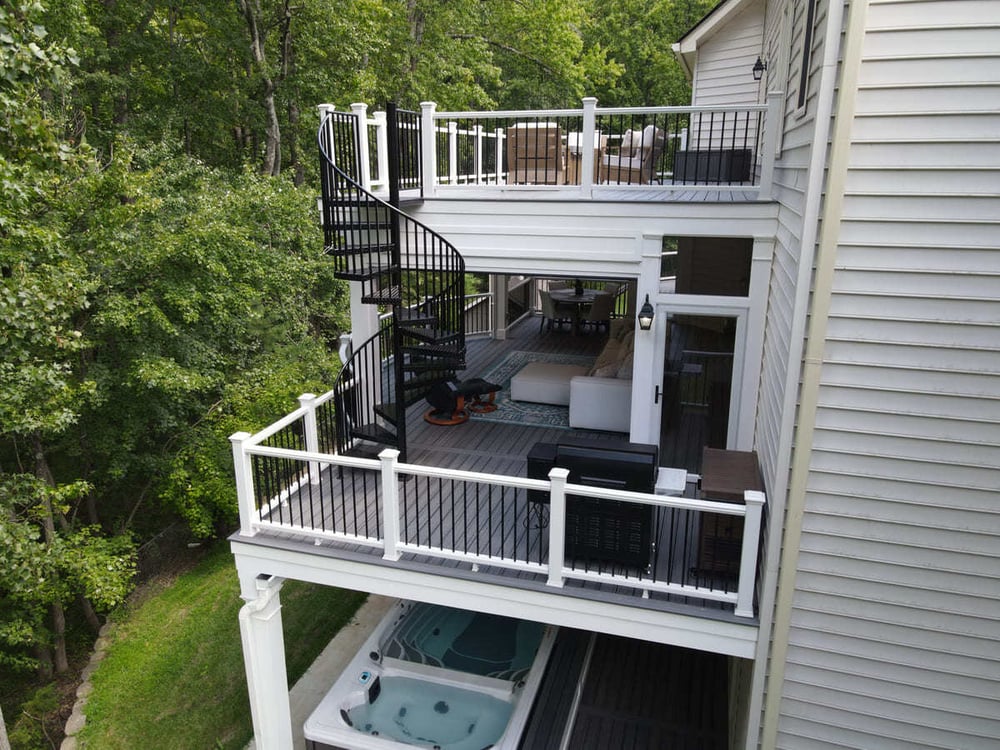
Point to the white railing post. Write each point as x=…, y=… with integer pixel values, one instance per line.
x=381, y=149
x=557, y=526
x=772, y=127
x=324, y=110
x=364, y=166
x=748, y=557
x=498, y=147
x=244, y=483
x=390, y=504
x=308, y=403
x=428, y=149
x=478, y=132
x=452, y=152
x=587, y=140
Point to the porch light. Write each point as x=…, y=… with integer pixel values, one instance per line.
x=646, y=315
x=758, y=69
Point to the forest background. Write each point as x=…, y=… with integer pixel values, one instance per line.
x=162, y=282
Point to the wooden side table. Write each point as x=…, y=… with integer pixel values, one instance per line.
x=725, y=476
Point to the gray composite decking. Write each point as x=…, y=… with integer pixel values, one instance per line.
x=634, y=696
x=502, y=523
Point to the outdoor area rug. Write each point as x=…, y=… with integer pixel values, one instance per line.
x=524, y=412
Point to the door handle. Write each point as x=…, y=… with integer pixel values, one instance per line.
x=656, y=395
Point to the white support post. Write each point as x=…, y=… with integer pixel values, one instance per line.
x=390, y=504
x=308, y=402
x=748, y=558
x=498, y=288
x=382, y=149
x=772, y=127
x=452, y=153
x=557, y=526
x=478, y=132
x=588, y=139
x=244, y=483
x=498, y=146
x=364, y=165
x=428, y=149
x=264, y=660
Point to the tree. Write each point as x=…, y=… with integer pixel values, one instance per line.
x=487, y=53
x=637, y=35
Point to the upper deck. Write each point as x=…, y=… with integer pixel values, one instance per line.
x=719, y=154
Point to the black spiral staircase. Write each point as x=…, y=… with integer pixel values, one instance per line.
x=402, y=265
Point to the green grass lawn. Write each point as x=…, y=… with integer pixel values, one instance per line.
x=173, y=676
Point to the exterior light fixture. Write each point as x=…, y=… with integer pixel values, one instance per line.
x=646, y=315
x=758, y=69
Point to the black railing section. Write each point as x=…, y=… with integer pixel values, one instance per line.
x=312, y=497
x=408, y=128
x=707, y=147
x=455, y=515
x=401, y=265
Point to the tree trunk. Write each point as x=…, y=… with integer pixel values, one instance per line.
x=4, y=742
x=58, y=616
x=44, y=658
x=252, y=14
x=288, y=69
x=56, y=613
x=88, y=612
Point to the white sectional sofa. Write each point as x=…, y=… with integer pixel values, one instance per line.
x=602, y=399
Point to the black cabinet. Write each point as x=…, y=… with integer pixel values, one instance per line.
x=713, y=166
x=600, y=529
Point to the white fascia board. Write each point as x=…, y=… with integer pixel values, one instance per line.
x=704, y=634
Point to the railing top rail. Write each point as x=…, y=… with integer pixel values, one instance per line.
x=523, y=113
x=285, y=421
x=275, y=427
x=352, y=462
x=710, y=506
x=472, y=114
x=681, y=110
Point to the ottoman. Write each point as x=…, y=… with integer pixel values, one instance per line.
x=545, y=383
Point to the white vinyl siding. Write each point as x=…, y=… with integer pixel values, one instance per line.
x=723, y=74
x=894, y=639
x=790, y=179
x=723, y=77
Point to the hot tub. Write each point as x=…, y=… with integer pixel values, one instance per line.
x=435, y=677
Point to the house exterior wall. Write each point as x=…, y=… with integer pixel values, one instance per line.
x=723, y=77
x=723, y=72
x=892, y=638
x=784, y=38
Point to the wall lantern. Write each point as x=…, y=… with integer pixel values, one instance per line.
x=646, y=315
x=758, y=69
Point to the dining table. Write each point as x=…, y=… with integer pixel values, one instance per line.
x=580, y=302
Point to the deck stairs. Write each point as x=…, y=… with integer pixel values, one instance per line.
x=403, y=267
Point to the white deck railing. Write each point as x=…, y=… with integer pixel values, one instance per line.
x=718, y=148
x=295, y=490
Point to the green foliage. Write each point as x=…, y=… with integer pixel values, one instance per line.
x=38, y=569
x=637, y=35
x=28, y=732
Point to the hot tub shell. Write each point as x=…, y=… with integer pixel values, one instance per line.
x=328, y=727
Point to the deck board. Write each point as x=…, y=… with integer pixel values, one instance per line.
x=640, y=696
